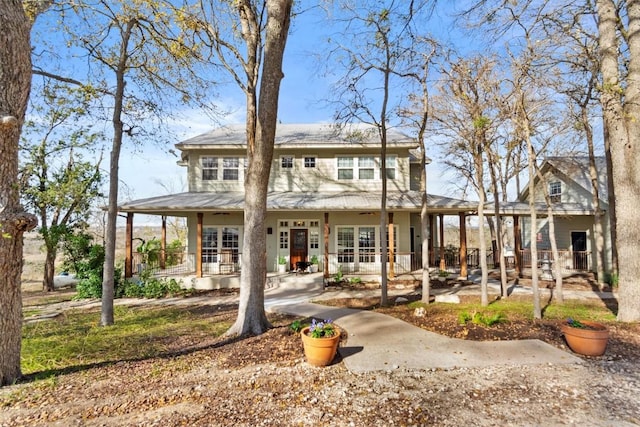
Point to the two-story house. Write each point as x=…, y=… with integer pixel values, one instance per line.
x=324, y=198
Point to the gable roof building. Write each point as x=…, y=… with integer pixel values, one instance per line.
x=324, y=198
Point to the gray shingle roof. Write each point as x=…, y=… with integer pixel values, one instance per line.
x=316, y=134
x=234, y=201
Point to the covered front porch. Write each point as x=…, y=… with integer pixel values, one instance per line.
x=300, y=228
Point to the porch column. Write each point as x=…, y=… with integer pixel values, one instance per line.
x=443, y=266
x=392, y=273
x=517, y=243
x=432, y=234
x=199, y=246
x=325, y=264
x=128, y=247
x=163, y=244
x=463, y=246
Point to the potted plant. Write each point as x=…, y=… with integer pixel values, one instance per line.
x=320, y=341
x=585, y=337
x=314, y=263
x=282, y=264
x=442, y=275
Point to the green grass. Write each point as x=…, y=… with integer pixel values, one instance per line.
x=518, y=309
x=76, y=339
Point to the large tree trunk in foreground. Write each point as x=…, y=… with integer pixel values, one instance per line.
x=620, y=101
x=15, y=83
x=251, y=315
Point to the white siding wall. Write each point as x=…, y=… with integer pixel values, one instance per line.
x=322, y=177
x=571, y=193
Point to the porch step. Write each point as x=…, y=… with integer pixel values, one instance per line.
x=292, y=280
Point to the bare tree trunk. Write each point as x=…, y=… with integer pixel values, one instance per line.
x=558, y=293
x=537, y=310
x=424, y=230
x=384, y=244
x=484, y=283
x=599, y=216
x=49, y=269
x=251, y=315
x=504, y=291
x=108, y=279
x=15, y=83
x=620, y=101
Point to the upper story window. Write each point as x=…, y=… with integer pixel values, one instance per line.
x=209, y=168
x=365, y=167
x=286, y=162
x=345, y=167
x=555, y=191
x=309, y=162
x=391, y=167
x=230, y=168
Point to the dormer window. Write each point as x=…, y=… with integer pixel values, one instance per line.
x=555, y=191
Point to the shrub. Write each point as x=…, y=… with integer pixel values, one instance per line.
x=151, y=287
x=481, y=318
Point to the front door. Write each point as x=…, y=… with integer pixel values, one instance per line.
x=298, y=252
x=579, y=247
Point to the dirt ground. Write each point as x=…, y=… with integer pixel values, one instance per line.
x=264, y=380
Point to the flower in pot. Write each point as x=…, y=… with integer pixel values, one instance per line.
x=320, y=341
x=442, y=275
x=585, y=337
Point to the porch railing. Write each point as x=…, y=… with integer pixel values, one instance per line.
x=228, y=262
x=569, y=260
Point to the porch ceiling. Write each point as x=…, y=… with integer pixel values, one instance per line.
x=286, y=201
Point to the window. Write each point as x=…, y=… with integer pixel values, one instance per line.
x=231, y=241
x=309, y=162
x=284, y=240
x=391, y=167
x=209, y=244
x=213, y=247
x=230, y=168
x=286, y=162
x=345, y=167
x=365, y=167
x=209, y=168
x=366, y=244
x=345, y=244
x=314, y=239
x=555, y=192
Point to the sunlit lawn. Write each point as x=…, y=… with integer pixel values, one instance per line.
x=76, y=339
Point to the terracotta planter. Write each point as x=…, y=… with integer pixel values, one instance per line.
x=588, y=342
x=320, y=351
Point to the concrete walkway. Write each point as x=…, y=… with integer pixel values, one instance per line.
x=377, y=342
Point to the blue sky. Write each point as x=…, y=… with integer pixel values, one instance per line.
x=304, y=91
x=151, y=170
